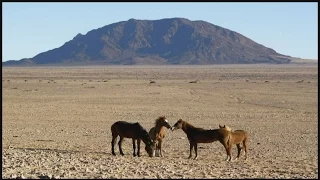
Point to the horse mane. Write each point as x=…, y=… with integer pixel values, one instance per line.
x=140, y=127
x=159, y=119
x=189, y=125
x=228, y=128
x=145, y=138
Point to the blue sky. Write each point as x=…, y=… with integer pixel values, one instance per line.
x=31, y=28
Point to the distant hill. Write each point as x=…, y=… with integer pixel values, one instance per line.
x=153, y=42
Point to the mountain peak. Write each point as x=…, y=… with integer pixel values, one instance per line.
x=165, y=41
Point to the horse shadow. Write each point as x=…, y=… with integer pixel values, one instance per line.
x=63, y=151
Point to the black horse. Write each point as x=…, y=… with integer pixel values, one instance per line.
x=131, y=130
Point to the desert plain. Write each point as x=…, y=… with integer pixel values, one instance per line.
x=56, y=120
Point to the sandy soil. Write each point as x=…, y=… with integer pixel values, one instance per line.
x=56, y=121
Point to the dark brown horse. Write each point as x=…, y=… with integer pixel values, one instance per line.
x=131, y=130
x=199, y=135
x=237, y=137
x=157, y=133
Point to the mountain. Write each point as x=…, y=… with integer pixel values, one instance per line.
x=165, y=41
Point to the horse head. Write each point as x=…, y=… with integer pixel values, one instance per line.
x=163, y=121
x=150, y=145
x=225, y=127
x=177, y=125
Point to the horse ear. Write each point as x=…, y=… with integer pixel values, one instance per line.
x=220, y=126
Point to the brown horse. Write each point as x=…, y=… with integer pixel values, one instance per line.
x=131, y=130
x=237, y=137
x=157, y=133
x=198, y=135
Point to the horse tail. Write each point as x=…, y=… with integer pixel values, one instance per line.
x=246, y=136
x=114, y=130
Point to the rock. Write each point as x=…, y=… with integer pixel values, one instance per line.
x=14, y=176
x=44, y=177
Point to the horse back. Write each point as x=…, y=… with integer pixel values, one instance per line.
x=200, y=135
x=238, y=136
x=126, y=129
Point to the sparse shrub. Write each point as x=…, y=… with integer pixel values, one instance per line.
x=152, y=82
x=196, y=81
x=300, y=81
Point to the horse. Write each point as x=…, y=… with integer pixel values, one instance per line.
x=131, y=130
x=199, y=135
x=237, y=137
x=157, y=133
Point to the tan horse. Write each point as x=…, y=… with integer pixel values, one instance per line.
x=157, y=133
x=237, y=137
x=198, y=135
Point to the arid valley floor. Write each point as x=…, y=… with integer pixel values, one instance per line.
x=56, y=120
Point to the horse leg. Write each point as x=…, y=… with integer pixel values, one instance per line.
x=191, y=146
x=160, y=148
x=226, y=147
x=239, y=150
x=120, y=143
x=134, y=146
x=154, y=150
x=113, y=143
x=196, y=150
x=230, y=152
x=138, y=143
